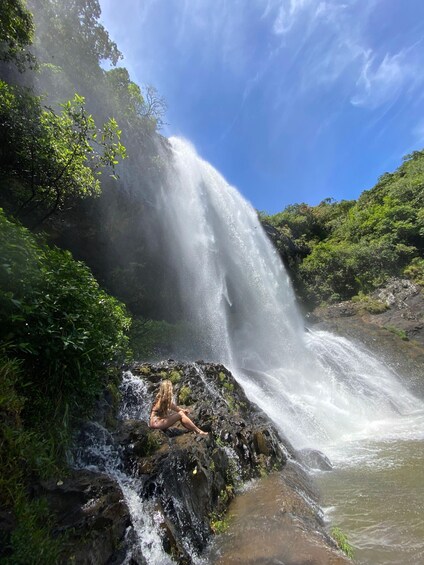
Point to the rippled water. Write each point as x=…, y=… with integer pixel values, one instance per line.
x=377, y=499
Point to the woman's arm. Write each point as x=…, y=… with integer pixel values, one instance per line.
x=178, y=408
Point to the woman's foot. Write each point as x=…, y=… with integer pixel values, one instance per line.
x=202, y=433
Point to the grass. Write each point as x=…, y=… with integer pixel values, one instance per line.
x=342, y=542
x=400, y=333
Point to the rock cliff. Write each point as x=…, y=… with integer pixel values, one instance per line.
x=390, y=323
x=187, y=480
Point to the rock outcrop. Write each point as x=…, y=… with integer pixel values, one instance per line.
x=390, y=322
x=87, y=507
x=189, y=480
x=193, y=478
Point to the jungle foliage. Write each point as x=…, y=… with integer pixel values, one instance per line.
x=340, y=249
x=16, y=33
x=58, y=331
x=61, y=334
x=49, y=160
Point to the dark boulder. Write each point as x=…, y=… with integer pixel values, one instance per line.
x=314, y=459
x=89, y=509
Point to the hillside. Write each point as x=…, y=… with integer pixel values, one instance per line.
x=338, y=250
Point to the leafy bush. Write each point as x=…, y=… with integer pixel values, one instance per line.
x=56, y=319
x=184, y=395
x=50, y=159
x=415, y=271
x=16, y=33
x=23, y=452
x=58, y=330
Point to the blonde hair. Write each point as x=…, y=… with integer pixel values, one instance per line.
x=164, y=397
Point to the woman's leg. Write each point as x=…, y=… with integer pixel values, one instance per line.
x=165, y=423
x=189, y=425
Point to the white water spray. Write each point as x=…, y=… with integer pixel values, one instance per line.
x=321, y=390
x=98, y=452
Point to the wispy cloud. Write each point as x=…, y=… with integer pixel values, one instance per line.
x=334, y=34
x=381, y=82
x=289, y=12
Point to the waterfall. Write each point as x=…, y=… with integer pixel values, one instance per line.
x=320, y=389
x=97, y=451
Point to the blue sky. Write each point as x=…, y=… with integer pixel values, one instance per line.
x=291, y=100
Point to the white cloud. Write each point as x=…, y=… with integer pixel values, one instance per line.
x=330, y=39
x=381, y=82
x=289, y=12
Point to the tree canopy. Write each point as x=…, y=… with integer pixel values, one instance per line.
x=50, y=159
x=16, y=32
x=347, y=247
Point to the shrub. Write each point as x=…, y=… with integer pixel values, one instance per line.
x=184, y=395
x=23, y=453
x=56, y=319
x=415, y=271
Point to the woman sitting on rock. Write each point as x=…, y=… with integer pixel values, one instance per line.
x=165, y=413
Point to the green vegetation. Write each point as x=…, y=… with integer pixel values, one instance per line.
x=150, y=445
x=415, y=271
x=369, y=304
x=184, y=395
x=58, y=329
x=174, y=377
x=60, y=332
x=337, y=250
x=16, y=33
x=23, y=453
x=342, y=542
x=400, y=333
x=58, y=321
x=220, y=519
x=150, y=337
x=49, y=160
x=223, y=379
x=219, y=524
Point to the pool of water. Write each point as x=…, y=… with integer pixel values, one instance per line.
x=376, y=497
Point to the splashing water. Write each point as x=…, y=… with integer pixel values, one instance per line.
x=98, y=452
x=320, y=389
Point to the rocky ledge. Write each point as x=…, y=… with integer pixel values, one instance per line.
x=389, y=322
x=188, y=480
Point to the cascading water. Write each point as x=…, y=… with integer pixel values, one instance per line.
x=321, y=390
x=97, y=451
x=318, y=388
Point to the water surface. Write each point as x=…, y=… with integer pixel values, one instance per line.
x=376, y=497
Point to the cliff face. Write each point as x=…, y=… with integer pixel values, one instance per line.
x=390, y=323
x=188, y=481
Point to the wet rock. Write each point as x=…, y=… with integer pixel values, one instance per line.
x=395, y=334
x=314, y=459
x=275, y=521
x=189, y=480
x=89, y=509
x=193, y=478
